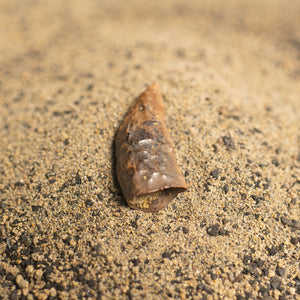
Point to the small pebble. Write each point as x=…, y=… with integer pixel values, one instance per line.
x=213, y=230
x=280, y=271
x=23, y=284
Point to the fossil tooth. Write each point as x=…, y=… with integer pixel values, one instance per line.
x=147, y=170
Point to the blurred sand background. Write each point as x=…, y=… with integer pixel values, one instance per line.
x=229, y=72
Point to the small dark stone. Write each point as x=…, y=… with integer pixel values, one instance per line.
x=295, y=240
x=14, y=295
x=240, y=297
x=213, y=230
x=208, y=289
x=206, y=186
x=225, y=221
x=168, y=227
x=280, y=246
x=255, y=198
x=264, y=291
x=213, y=275
x=90, y=87
x=255, y=130
x=180, y=53
x=257, y=184
x=134, y=224
x=19, y=184
x=175, y=281
x=275, y=283
x=226, y=188
x=248, y=295
x=169, y=254
x=243, y=196
x=296, y=224
x=275, y=162
x=272, y=251
x=135, y=261
x=265, y=271
x=129, y=294
x=185, y=230
x=89, y=203
x=215, y=173
x=247, y=259
x=179, y=273
x=286, y=221
x=260, y=199
x=203, y=223
x=66, y=142
x=259, y=262
x=36, y=207
x=229, y=143
x=277, y=217
x=78, y=179
x=67, y=240
x=280, y=271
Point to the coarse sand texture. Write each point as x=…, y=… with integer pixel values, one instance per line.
x=229, y=76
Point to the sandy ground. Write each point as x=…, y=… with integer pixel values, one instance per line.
x=229, y=72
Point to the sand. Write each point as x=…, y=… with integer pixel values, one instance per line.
x=229, y=73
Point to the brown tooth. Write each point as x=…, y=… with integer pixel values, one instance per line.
x=146, y=166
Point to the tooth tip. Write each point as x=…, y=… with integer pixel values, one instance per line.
x=153, y=86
